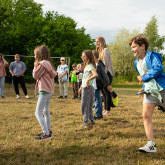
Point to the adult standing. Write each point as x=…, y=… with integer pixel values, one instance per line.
x=17, y=68
x=62, y=71
x=105, y=57
x=3, y=65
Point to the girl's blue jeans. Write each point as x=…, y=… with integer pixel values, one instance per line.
x=98, y=104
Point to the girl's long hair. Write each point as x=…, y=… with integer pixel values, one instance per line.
x=101, y=48
x=42, y=53
x=90, y=58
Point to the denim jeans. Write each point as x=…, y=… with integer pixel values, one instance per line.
x=2, y=83
x=43, y=109
x=98, y=104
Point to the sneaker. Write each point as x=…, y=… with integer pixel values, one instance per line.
x=161, y=108
x=2, y=97
x=150, y=147
x=75, y=97
x=98, y=118
x=17, y=96
x=44, y=137
x=41, y=134
x=66, y=97
x=27, y=97
x=60, y=97
x=115, y=101
x=92, y=122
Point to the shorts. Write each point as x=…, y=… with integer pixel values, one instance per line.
x=154, y=100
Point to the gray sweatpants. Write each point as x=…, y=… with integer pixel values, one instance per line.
x=87, y=103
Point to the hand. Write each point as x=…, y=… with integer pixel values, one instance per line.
x=141, y=90
x=140, y=78
x=87, y=83
x=109, y=88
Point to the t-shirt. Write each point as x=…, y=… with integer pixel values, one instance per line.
x=17, y=67
x=87, y=74
x=151, y=86
x=61, y=69
x=73, y=77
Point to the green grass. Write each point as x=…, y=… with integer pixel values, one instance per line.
x=114, y=140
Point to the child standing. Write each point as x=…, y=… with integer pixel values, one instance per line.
x=87, y=88
x=3, y=65
x=79, y=74
x=62, y=71
x=44, y=73
x=17, y=69
x=74, y=81
x=149, y=66
x=102, y=81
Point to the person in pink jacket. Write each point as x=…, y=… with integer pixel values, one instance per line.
x=3, y=65
x=44, y=73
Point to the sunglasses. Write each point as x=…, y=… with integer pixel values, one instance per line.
x=62, y=60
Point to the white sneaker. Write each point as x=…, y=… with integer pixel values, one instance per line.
x=17, y=96
x=150, y=147
x=27, y=96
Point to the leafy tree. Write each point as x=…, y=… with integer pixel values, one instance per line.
x=122, y=57
x=151, y=32
x=23, y=26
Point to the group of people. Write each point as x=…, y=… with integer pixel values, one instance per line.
x=96, y=75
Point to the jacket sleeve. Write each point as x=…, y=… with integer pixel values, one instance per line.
x=155, y=70
x=104, y=76
x=38, y=72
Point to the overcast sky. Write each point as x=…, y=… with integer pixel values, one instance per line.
x=107, y=17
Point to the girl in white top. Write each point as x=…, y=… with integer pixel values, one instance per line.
x=87, y=88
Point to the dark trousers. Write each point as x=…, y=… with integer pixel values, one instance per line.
x=21, y=81
x=107, y=95
x=75, y=88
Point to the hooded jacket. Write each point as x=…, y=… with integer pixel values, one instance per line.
x=102, y=80
x=154, y=62
x=44, y=74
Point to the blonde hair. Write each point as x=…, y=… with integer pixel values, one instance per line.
x=101, y=48
x=90, y=58
x=17, y=55
x=42, y=53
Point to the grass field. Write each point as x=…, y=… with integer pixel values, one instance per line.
x=112, y=141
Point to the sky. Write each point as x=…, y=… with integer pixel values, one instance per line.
x=107, y=17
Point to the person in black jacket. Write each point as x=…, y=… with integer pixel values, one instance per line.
x=102, y=83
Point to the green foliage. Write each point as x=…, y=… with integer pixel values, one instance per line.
x=122, y=57
x=151, y=32
x=23, y=26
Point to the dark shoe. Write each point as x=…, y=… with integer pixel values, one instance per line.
x=44, y=137
x=66, y=97
x=92, y=122
x=41, y=134
x=60, y=97
x=2, y=97
x=161, y=108
x=98, y=118
x=75, y=97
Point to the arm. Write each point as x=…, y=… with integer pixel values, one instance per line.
x=155, y=70
x=5, y=62
x=94, y=75
x=38, y=72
